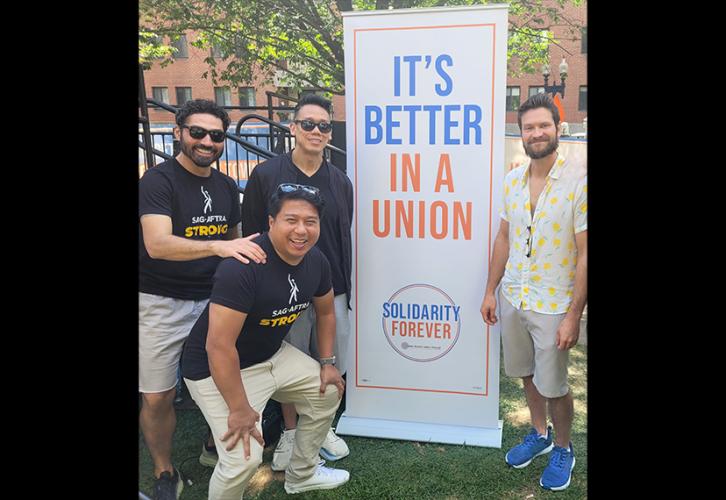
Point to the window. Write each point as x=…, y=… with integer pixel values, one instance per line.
x=535, y=89
x=582, y=101
x=217, y=52
x=183, y=94
x=512, y=98
x=247, y=96
x=583, y=46
x=222, y=96
x=160, y=94
x=181, y=47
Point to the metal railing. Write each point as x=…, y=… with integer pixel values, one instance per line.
x=244, y=149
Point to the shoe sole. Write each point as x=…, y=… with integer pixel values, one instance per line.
x=525, y=464
x=564, y=486
x=315, y=487
x=332, y=458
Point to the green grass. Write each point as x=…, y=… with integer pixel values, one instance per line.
x=383, y=468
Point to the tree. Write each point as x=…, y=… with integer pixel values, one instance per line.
x=303, y=39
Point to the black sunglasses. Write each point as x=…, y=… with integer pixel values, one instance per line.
x=309, y=125
x=200, y=133
x=290, y=188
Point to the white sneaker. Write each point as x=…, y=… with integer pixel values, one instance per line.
x=324, y=478
x=334, y=448
x=283, y=451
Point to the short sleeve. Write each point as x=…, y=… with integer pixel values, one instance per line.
x=155, y=193
x=234, y=285
x=326, y=282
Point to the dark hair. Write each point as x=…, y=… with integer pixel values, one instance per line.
x=278, y=198
x=197, y=106
x=312, y=99
x=538, y=101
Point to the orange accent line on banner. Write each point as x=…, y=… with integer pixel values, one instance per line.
x=355, y=165
x=422, y=390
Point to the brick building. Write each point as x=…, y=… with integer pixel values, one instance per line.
x=182, y=80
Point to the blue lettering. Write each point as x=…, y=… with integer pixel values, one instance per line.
x=391, y=124
x=373, y=121
x=449, y=123
x=444, y=91
x=473, y=123
x=412, y=60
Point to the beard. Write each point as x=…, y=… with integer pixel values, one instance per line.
x=199, y=160
x=536, y=155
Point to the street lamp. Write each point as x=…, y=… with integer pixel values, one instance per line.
x=554, y=88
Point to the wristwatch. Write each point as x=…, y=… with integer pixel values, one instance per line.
x=327, y=361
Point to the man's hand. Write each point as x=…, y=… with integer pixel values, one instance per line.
x=239, y=248
x=568, y=333
x=241, y=424
x=329, y=375
x=489, y=309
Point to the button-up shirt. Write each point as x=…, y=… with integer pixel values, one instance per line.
x=544, y=281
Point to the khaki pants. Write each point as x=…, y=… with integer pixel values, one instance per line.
x=290, y=377
x=304, y=333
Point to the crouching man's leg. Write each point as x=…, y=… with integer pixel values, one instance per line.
x=233, y=471
x=298, y=379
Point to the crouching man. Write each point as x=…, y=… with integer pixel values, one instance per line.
x=235, y=359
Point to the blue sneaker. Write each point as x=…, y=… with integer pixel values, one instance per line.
x=532, y=446
x=557, y=474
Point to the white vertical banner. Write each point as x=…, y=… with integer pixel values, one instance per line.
x=425, y=108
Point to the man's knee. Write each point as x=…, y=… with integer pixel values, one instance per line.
x=158, y=401
x=330, y=397
x=234, y=467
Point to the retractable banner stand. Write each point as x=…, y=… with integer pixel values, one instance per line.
x=425, y=109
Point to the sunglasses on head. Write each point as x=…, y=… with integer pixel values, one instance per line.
x=290, y=188
x=309, y=125
x=200, y=133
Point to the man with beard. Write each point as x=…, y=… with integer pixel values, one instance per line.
x=188, y=216
x=540, y=257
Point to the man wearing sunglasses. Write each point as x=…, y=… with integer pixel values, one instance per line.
x=235, y=359
x=188, y=216
x=307, y=165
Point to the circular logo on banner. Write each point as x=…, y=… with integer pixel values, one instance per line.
x=421, y=322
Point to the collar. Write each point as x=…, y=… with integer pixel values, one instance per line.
x=554, y=173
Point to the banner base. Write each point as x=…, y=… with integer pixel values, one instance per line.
x=417, y=431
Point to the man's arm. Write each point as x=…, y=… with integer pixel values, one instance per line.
x=500, y=254
x=569, y=330
x=325, y=326
x=162, y=244
x=225, y=325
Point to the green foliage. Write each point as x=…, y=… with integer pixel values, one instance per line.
x=299, y=43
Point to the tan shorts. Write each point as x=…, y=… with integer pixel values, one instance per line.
x=529, y=346
x=164, y=325
x=303, y=333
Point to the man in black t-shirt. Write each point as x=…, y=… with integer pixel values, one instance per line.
x=235, y=358
x=188, y=216
x=306, y=164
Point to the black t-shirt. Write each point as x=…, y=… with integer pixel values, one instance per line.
x=201, y=208
x=329, y=241
x=273, y=295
